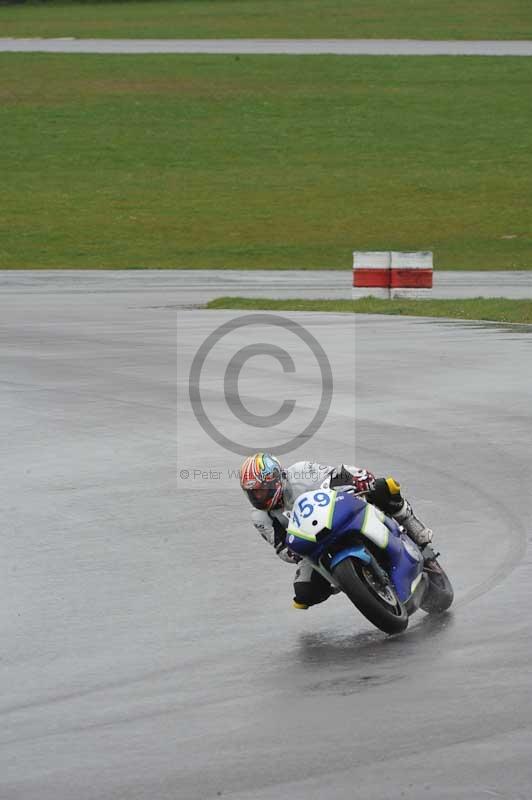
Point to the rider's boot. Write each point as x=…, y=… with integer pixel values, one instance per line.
x=413, y=525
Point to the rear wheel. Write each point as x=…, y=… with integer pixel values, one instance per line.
x=439, y=593
x=377, y=602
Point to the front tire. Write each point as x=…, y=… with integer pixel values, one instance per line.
x=379, y=605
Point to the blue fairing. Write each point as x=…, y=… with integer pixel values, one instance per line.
x=303, y=547
x=348, y=513
x=400, y=557
x=351, y=552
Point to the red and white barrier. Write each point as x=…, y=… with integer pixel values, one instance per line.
x=410, y=274
x=371, y=274
x=391, y=274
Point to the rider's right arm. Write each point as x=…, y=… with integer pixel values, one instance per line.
x=273, y=532
x=263, y=523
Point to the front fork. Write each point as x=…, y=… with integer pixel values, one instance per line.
x=324, y=572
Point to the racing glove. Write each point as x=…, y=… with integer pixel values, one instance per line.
x=361, y=479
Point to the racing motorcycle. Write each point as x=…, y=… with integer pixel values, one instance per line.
x=368, y=556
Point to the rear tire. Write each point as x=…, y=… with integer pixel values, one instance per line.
x=439, y=593
x=382, y=608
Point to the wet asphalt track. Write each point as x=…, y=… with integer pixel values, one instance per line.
x=192, y=287
x=149, y=649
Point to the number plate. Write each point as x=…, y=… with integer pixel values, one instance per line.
x=312, y=512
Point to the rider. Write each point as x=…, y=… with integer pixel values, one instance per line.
x=271, y=489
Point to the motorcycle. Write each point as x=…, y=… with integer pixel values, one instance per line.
x=368, y=556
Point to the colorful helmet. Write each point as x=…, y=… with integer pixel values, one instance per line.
x=261, y=478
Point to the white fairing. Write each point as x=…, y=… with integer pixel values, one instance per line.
x=373, y=526
x=303, y=476
x=311, y=512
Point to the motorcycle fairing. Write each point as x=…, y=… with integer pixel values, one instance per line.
x=351, y=552
x=348, y=514
x=405, y=562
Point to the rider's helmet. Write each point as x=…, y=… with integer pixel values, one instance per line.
x=262, y=478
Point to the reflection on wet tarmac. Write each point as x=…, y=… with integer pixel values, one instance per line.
x=481, y=325
x=324, y=648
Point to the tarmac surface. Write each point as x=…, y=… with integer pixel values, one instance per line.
x=189, y=287
x=352, y=47
x=149, y=647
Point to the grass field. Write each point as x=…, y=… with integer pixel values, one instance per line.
x=410, y=19
x=207, y=161
x=496, y=309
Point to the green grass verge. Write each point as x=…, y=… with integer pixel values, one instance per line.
x=496, y=309
x=219, y=161
x=412, y=19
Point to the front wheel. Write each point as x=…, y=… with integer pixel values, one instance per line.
x=376, y=602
